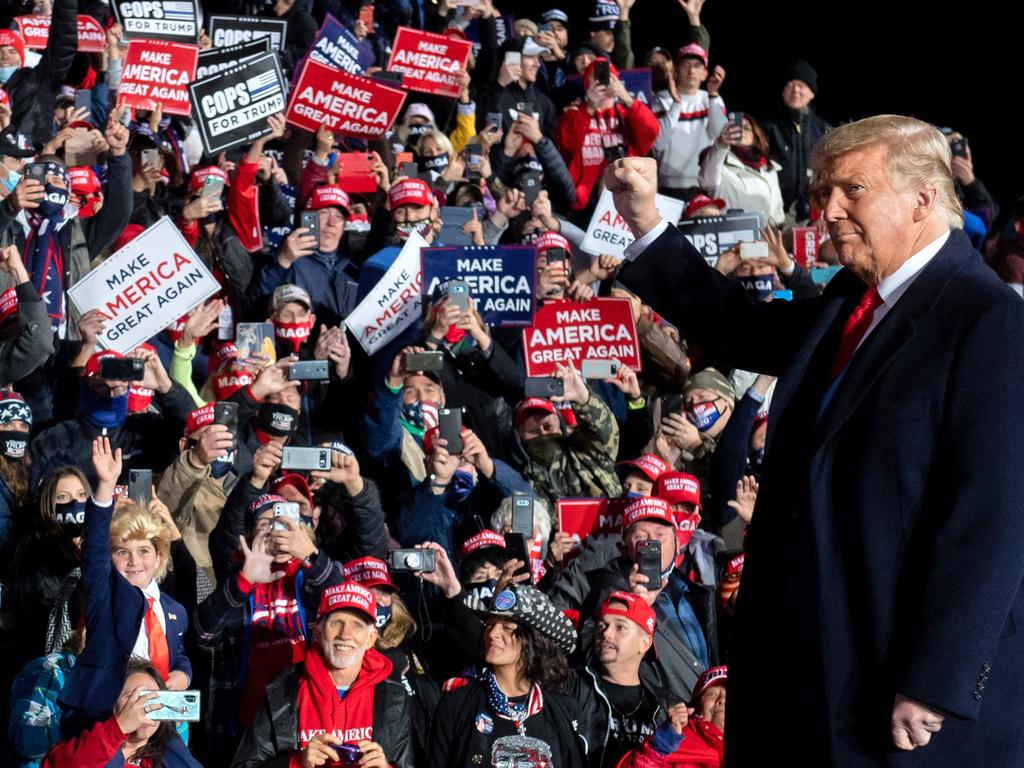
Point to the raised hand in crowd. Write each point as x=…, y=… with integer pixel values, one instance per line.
x=265, y=462
x=293, y=540
x=472, y=323
x=107, y=464
x=257, y=567
x=693, y=9
x=201, y=321
x=574, y=388
x=344, y=471
x=475, y=453
x=332, y=344
x=443, y=576
x=442, y=466
x=746, y=498
x=11, y=263
x=215, y=442
x=154, y=375
x=626, y=381
x=778, y=256
x=117, y=135
x=273, y=379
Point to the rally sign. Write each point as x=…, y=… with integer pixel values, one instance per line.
x=214, y=60
x=429, y=62
x=232, y=106
x=174, y=20
x=569, y=332
x=349, y=105
x=35, y=31
x=500, y=277
x=394, y=303
x=158, y=71
x=144, y=287
x=713, y=235
x=232, y=30
x=590, y=517
x=609, y=233
x=336, y=46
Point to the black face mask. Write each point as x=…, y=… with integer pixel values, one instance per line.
x=758, y=288
x=15, y=444
x=71, y=516
x=419, y=129
x=437, y=164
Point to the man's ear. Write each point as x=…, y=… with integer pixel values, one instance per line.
x=312, y=320
x=925, y=201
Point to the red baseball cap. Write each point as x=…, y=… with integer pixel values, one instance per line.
x=327, y=196
x=701, y=201
x=84, y=180
x=712, y=676
x=636, y=610
x=692, y=51
x=370, y=572
x=647, y=508
x=199, y=418
x=486, y=538
x=222, y=355
x=13, y=39
x=296, y=481
x=199, y=176
x=532, y=405
x=551, y=240
x=678, y=488
x=649, y=465
x=349, y=596
x=410, y=192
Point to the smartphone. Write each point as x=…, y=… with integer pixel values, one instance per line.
x=756, y=249
x=409, y=170
x=299, y=457
x=83, y=100
x=150, y=157
x=474, y=157
x=285, y=509
x=736, y=118
x=494, y=118
x=671, y=403
x=177, y=706
x=522, y=513
x=517, y=549
x=424, y=361
x=412, y=560
x=599, y=369
x=122, y=368
x=614, y=152
x=126, y=117
x=525, y=107
x=225, y=413
x=513, y=59
x=648, y=561
x=226, y=323
x=350, y=754
x=36, y=172
x=449, y=427
x=309, y=370
x=529, y=183
x=311, y=221
x=959, y=147
x=555, y=256
x=543, y=386
x=458, y=294
x=213, y=186
x=602, y=72
x=140, y=486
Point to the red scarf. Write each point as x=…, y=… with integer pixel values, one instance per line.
x=277, y=638
x=319, y=708
x=750, y=157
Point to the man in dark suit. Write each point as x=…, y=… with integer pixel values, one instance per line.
x=882, y=584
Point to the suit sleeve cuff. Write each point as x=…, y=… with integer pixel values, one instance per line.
x=637, y=247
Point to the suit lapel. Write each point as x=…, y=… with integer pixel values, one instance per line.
x=889, y=338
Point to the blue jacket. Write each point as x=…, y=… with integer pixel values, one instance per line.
x=114, y=611
x=330, y=280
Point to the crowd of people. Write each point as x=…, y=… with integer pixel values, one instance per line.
x=389, y=608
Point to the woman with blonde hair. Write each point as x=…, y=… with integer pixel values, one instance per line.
x=125, y=556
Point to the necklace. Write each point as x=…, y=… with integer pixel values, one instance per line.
x=639, y=703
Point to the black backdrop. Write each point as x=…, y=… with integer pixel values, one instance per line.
x=956, y=65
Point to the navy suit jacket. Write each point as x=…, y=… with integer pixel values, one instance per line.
x=886, y=552
x=114, y=611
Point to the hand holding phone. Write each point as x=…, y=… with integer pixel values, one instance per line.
x=310, y=220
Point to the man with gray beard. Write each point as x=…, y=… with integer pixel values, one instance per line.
x=338, y=706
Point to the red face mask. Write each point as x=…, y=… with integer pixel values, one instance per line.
x=686, y=524
x=293, y=333
x=139, y=398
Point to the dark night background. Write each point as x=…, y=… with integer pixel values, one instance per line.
x=956, y=65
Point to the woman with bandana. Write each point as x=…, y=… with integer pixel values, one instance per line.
x=515, y=711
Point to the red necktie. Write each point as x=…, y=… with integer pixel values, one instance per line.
x=158, y=654
x=856, y=326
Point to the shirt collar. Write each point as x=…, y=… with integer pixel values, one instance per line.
x=152, y=590
x=896, y=284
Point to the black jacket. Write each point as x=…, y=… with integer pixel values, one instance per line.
x=791, y=144
x=32, y=91
x=456, y=742
x=274, y=734
x=499, y=98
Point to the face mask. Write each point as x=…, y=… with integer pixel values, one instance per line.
x=463, y=483
x=632, y=495
x=14, y=444
x=419, y=129
x=703, y=415
x=413, y=413
x=276, y=419
x=53, y=202
x=6, y=72
x=758, y=288
x=103, y=411
x=686, y=524
x=438, y=164
x=403, y=230
x=13, y=177
x=484, y=591
x=71, y=516
x=293, y=334
x=543, y=449
x=383, y=615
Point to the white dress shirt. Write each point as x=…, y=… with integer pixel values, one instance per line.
x=141, y=648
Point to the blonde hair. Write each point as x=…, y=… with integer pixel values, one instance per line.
x=400, y=627
x=132, y=522
x=918, y=153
